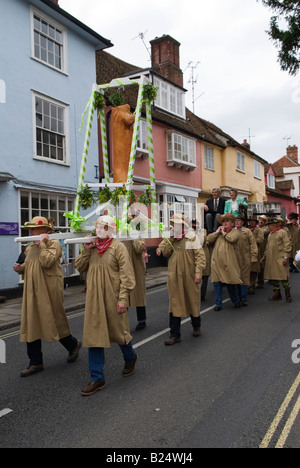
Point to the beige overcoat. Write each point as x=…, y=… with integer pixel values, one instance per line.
x=247, y=252
x=278, y=247
x=186, y=262
x=259, y=239
x=110, y=279
x=136, y=250
x=43, y=315
x=207, y=253
x=295, y=236
x=224, y=264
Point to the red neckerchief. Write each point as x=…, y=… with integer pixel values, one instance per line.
x=275, y=230
x=227, y=230
x=252, y=228
x=103, y=245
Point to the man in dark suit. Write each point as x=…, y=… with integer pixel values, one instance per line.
x=214, y=207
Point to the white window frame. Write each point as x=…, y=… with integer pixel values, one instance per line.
x=48, y=40
x=181, y=150
x=271, y=181
x=142, y=141
x=47, y=205
x=257, y=169
x=209, y=162
x=176, y=204
x=57, y=134
x=170, y=98
x=240, y=161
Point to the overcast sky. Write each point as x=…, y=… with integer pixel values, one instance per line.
x=239, y=82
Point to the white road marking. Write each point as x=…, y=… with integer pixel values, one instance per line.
x=4, y=412
x=166, y=330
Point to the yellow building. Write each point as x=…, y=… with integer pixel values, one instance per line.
x=228, y=164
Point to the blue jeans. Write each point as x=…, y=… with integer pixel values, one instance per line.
x=97, y=360
x=243, y=291
x=232, y=290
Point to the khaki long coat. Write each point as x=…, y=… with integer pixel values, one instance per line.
x=295, y=236
x=224, y=264
x=186, y=262
x=246, y=254
x=136, y=250
x=43, y=315
x=110, y=279
x=259, y=239
x=278, y=247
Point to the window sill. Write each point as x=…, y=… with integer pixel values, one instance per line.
x=181, y=165
x=52, y=161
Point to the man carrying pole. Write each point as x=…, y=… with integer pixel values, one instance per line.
x=43, y=315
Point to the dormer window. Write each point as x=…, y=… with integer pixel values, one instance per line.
x=181, y=151
x=170, y=98
x=271, y=181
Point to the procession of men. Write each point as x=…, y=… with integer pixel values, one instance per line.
x=235, y=251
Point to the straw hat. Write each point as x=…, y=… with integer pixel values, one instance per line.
x=226, y=217
x=38, y=222
x=179, y=219
x=263, y=217
x=106, y=221
x=275, y=221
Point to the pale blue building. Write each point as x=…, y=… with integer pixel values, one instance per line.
x=47, y=69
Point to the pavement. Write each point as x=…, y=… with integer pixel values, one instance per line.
x=74, y=298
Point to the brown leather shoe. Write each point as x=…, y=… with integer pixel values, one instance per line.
x=129, y=368
x=32, y=370
x=73, y=355
x=171, y=341
x=92, y=388
x=276, y=297
x=288, y=295
x=197, y=332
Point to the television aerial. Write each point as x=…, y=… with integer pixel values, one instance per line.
x=141, y=35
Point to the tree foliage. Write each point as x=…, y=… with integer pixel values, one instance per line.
x=285, y=32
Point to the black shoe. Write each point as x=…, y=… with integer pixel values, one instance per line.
x=244, y=303
x=217, y=308
x=140, y=326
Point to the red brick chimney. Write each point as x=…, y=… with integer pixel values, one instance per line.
x=292, y=153
x=246, y=144
x=165, y=59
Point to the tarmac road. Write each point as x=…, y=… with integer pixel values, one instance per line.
x=223, y=389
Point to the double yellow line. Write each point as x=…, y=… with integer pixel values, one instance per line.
x=278, y=418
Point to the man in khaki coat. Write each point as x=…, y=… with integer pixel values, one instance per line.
x=225, y=268
x=186, y=264
x=43, y=315
x=294, y=230
x=262, y=225
x=259, y=239
x=110, y=278
x=247, y=256
x=276, y=259
x=137, y=298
